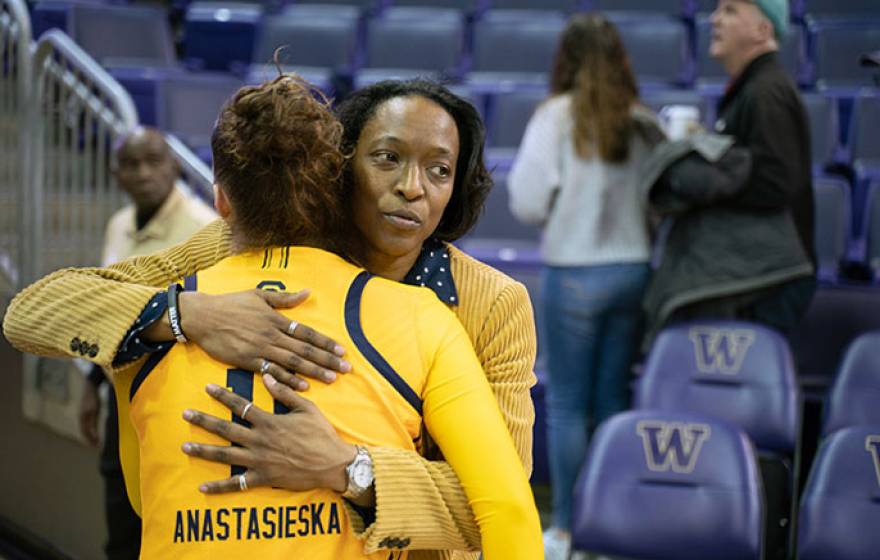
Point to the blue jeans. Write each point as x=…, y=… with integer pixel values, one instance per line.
x=591, y=318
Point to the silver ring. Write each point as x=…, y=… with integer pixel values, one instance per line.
x=244, y=411
x=264, y=366
x=242, y=482
x=292, y=327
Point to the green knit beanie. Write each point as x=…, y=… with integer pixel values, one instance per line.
x=777, y=12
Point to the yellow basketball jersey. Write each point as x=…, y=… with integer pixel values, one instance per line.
x=377, y=404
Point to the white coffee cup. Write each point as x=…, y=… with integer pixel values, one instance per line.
x=679, y=120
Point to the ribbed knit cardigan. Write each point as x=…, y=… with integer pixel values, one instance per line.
x=416, y=498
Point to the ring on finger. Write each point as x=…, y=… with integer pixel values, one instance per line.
x=264, y=366
x=245, y=410
x=292, y=327
x=242, y=482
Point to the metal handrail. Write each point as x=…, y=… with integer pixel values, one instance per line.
x=15, y=83
x=196, y=174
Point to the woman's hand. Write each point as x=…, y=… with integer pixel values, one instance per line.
x=244, y=328
x=297, y=451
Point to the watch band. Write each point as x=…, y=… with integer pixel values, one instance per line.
x=360, y=468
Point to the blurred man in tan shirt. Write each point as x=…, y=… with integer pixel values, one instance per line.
x=161, y=215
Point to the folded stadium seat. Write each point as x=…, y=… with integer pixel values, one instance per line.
x=54, y=14
x=556, y=5
x=833, y=225
x=133, y=43
x=669, y=486
x=710, y=75
x=743, y=373
x=871, y=221
x=836, y=47
x=667, y=7
x=853, y=398
x=366, y=7
x=513, y=48
x=840, y=512
x=658, y=46
x=220, y=36
x=508, y=114
x=433, y=39
x=189, y=104
x=467, y=6
x=319, y=42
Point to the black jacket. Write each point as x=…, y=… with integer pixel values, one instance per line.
x=764, y=113
x=741, y=225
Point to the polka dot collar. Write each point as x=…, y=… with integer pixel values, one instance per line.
x=432, y=271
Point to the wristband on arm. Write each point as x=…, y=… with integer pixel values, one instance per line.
x=174, y=312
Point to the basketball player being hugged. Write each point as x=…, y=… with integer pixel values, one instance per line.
x=277, y=163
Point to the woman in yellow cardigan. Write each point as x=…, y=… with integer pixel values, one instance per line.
x=418, y=502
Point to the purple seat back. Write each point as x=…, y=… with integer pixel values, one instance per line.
x=840, y=508
x=737, y=371
x=855, y=394
x=669, y=486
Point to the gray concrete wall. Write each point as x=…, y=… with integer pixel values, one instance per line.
x=49, y=485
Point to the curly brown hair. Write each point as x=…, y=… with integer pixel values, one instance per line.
x=591, y=63
x=276, y=149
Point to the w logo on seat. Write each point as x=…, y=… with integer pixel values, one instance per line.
x=672, y=445
x=720, y=350
x=872, y=445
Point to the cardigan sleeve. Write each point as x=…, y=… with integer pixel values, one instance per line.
x=86, y=312
x=423, y=499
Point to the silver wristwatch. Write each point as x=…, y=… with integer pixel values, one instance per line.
x=360, y=474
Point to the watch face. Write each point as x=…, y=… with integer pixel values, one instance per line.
x=362, y=474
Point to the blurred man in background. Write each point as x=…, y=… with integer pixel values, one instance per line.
x=161, y=215
x=762, y=110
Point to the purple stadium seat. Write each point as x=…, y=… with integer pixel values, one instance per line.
x=840, y=510
x=434, y=39
x=846, y=8
x=837, y=46
x=320, y=41
x=466, y=6
x=823, y=113
x=497, y=222
x=658, y=46
x=738, y=371
x=669, y=486
x=854, y=395
x=864, y=133
x=558, y=5
x=668, y=7
x=513, y=48
x=871, y=223
x=189, y=105
x=220, y=35
x=508, y=114
x=833, y=224
x=123, y=35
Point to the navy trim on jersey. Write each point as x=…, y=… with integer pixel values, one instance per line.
x=356, y=331
x=191, y=283
x=145, y=370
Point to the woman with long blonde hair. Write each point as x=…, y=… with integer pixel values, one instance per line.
x=576, y=174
